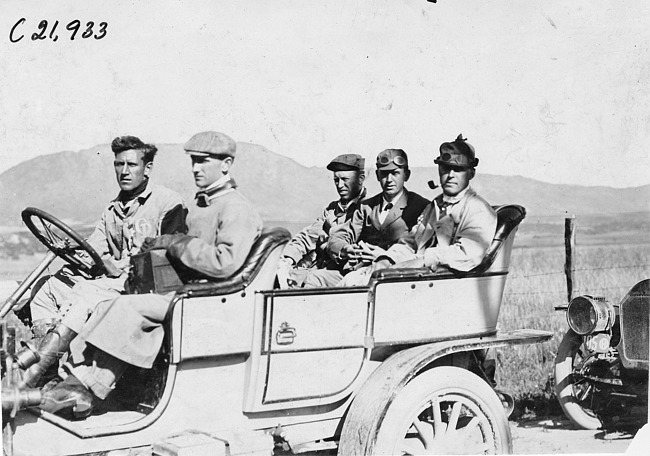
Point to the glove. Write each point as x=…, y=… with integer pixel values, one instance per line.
x=111, y=270
x=161, y=242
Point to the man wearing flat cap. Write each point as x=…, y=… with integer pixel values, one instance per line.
x=381, y=220
x=455, y=229
x=306, y=250
x=222, y=228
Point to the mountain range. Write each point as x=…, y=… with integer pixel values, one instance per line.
x=76, y=186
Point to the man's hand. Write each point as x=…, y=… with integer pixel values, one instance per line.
x=148, y=244
x=369, y=252
x=111, y=270
x=159, y=243
x=351, y=253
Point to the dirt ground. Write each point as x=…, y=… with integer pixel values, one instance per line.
x=552, y=436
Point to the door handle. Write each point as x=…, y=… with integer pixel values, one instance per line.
x=285, y=334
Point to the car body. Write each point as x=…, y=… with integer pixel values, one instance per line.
x=601, y=370
x=246, y=366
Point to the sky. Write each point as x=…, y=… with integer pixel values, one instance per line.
x=552, y=90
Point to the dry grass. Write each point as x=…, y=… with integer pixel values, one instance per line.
x=536, y=284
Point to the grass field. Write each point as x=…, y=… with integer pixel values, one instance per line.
x=535, y=285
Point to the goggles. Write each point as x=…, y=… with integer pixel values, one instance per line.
x=456, y=160
x=384, y=160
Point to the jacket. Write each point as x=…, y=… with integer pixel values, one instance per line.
x=365, y=225
x=457, y=240
x=309, y=244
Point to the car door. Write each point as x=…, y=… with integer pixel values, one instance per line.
x=308, y=349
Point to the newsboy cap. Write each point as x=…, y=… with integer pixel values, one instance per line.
x=211, y=143
x=347, y=162
x=390, y=159
x=457, y=153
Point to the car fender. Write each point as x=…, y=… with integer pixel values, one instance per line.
x=383, y=385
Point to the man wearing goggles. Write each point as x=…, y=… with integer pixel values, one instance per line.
x=379, y=221
x=455, y=229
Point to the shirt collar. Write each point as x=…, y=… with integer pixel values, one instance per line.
x=353, y=201
x=141, y=197
x=220, y=187
x=222, y=180
x=455, y=199
x=395, y=200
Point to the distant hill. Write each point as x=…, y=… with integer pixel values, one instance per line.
x=76, y=186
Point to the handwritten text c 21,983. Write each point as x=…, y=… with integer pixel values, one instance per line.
x=74, y=29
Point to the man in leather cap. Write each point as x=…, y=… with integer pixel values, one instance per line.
x=222, y=228
x=140, y=210
x=305, y=253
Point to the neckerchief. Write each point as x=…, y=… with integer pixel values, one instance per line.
x=203, y=197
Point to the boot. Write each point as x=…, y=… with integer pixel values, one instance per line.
x=28, y=354
x=70, y=397
x=51, y=348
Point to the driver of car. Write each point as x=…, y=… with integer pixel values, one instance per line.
x=222, y=227
x=140, y=210
x=455, y=229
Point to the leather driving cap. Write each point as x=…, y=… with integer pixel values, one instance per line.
x=211, y=143
x=457, y=153
x=347, y=162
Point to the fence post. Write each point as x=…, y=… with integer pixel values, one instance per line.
x=569, y=247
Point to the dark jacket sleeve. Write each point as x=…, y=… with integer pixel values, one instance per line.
x=174, y=221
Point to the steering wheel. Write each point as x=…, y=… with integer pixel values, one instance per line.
x=63, y=241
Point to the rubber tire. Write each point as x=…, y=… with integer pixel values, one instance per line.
x=566, y=353
x=438, y=381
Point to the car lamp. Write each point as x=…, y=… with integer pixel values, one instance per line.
x=588, y=314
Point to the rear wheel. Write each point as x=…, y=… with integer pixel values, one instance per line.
x=574, y=396
x=447, y=410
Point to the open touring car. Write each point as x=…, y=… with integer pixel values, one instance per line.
x=391, y=368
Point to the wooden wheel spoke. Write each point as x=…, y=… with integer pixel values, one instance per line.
x=439, y=428
x=455, y=413
x=425, y=432
x=473, y=423
x=445, y=410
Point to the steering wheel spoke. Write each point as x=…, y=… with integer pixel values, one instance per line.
x=63, y=241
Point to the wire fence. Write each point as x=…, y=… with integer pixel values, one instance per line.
x=517, y=281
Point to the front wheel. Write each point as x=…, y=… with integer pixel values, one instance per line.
x=446, y=410
x=574, y=396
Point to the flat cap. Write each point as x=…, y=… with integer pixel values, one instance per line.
x=347, y=162
x=457, y=153
x=390, y=159
x=211, y=143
